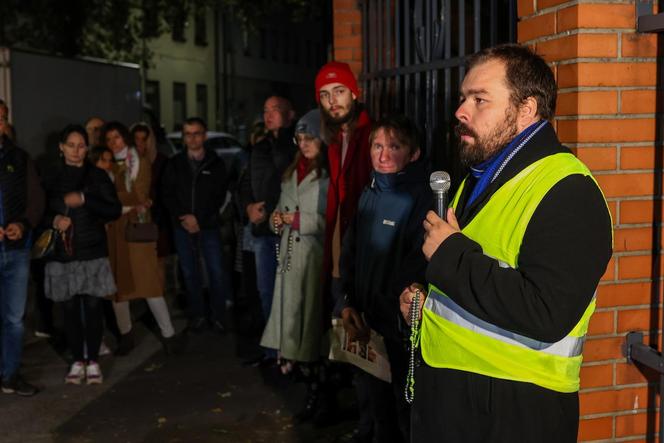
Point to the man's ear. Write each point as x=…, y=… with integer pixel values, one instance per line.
x=353, y=95
x=528, y=113
x=291, y=115
x=415, y=154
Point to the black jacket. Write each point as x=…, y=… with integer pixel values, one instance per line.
x=382, y=248
x=200, y=192
x=262, y=181
x=21, y=195
x=564, y=252
x=101, y=205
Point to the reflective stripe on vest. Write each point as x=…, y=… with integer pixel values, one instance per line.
x=443, y=306
x=451, y=337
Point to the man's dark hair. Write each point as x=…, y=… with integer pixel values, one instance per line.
x=70, y=129
x=195, y=121
x=400, y=127
x=115, y=126
x=526, y=74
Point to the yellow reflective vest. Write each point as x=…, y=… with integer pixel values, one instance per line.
x=453, y=338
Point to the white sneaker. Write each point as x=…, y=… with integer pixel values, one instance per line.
x=93, y=373
x=104, y=350
x=76, y=373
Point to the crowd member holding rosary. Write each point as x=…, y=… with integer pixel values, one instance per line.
x=381, y=255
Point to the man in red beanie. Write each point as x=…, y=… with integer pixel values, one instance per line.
x=346, y=127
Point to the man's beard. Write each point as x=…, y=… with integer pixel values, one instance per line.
x=342, y=119
x=485, y=147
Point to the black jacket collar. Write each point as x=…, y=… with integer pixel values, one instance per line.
x=543, y=144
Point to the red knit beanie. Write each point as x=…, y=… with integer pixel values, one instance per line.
x=336, y=72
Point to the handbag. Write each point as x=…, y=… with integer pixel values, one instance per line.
x=141, y=232
x=44, y=244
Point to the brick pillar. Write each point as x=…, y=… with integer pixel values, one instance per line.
x=347, y=26
x=606, y=75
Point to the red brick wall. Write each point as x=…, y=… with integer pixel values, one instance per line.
x=606, y=78
x=347, y=28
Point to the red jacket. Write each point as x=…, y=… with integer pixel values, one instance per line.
x=346, y=184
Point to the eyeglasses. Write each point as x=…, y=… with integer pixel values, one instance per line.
x=303, y=138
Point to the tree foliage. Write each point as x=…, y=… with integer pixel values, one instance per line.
x=121, y=29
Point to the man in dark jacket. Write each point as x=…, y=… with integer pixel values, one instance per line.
x=381, y=255
x=194, y=189
x=21, y=208
x=260, y=189
x=513, y=270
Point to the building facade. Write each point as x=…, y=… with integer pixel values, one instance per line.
x=182, y=79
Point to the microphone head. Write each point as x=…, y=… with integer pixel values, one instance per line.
x=440, y=181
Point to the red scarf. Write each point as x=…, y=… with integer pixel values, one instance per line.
x=303, y=168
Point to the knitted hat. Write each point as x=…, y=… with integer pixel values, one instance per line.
x=336, y=72
x=309, y=124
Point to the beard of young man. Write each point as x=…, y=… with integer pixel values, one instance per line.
x=332, y=125
x=486, y=146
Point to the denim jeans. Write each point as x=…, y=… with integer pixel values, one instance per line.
x=190, y=247
x=265, y=249
x=14, y=271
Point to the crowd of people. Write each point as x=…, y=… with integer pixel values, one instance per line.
x=336, y=211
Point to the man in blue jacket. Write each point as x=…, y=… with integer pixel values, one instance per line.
x=381, y=252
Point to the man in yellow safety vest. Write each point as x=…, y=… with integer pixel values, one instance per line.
x=512, y=273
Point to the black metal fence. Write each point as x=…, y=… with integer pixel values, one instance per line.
x=414, y=53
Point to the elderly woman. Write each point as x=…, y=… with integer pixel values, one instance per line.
x=81, y=199
x=294, y=327
x=135, y=265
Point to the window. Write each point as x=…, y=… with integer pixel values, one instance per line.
x=202, y=102
x=150, y=19
x=200, y=26
x=152, y=97
x=179, y=22
x=179, y=104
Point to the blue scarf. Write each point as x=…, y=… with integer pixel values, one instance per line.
x=487, y=171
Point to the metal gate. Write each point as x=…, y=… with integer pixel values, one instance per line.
x=414, y=54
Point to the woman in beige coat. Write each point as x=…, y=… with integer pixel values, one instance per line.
x=135, y=265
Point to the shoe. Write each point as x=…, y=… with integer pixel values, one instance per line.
x=219, y=327
x=42, y=334
x=197, y=325
x=93, y=373
x=126, y=344
x=76, y=373
x=327, y=412
x=309, y=410
x=104, y=350
x=16, y=385
x=174, y=345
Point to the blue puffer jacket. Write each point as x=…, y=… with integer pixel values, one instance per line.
x=382, y=250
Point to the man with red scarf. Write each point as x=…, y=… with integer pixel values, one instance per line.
x=346, y=127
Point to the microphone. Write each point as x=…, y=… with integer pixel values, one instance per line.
x=440, y=185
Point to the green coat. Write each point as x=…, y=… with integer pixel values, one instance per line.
x=294, y=327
